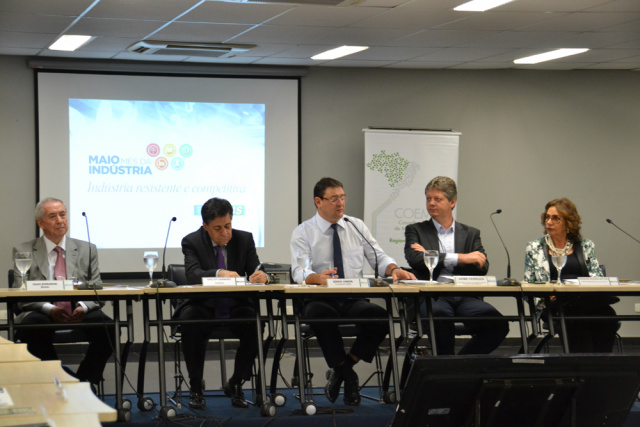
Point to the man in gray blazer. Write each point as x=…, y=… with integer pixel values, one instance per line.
x=51, y=217
x=460, y=253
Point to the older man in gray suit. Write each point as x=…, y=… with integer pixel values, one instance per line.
x=55, y=256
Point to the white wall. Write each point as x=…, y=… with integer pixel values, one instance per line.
x=527, y=137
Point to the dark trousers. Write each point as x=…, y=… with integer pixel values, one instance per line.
x=195, y=338
x=590, y=336
x=369, y=335
x=101, y=340
x=486, y=335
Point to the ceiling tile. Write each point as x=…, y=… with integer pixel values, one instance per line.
x=234, y=13
x=154, y=10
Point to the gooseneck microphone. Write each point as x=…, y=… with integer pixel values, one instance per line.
x=164, y=283
x=89, y=283
x=365, y=239
x=508, y=281
x=611, y=222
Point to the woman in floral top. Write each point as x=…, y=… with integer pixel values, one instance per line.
x=561, y=223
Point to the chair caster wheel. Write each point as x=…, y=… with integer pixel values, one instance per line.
x=124, y=416
x=279, y=399
x=167, y=412
x=389, y=396
x=309, y=408
x=126, y=404
x=146, y=404
x=268, y=409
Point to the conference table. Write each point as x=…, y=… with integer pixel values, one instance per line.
x=568, y=290
x=296, y=293
x=112, y=293
x=159, y=295
x=35, y=392
x=518, y=293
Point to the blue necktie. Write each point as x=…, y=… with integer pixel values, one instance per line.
x=337, y=252
x=222, y=304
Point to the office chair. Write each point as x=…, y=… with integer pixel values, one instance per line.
x=346, y=330
x=178, y=276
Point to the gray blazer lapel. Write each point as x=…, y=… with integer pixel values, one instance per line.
x=40, y=258
x=71, y=258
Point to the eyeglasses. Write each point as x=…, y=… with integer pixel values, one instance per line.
x=335, y=199
x=553, y=218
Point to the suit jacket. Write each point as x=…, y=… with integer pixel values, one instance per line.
x=77, y=264
x=467, y=239
x=200, y=260
x=538, y=269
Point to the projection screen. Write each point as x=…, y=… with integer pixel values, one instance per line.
x=133, y=151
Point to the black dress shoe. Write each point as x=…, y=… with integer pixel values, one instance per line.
x=196, y=400
x=237, y=396
x=332, y=389
x=351, y=392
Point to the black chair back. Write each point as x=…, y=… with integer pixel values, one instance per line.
x=177, y=274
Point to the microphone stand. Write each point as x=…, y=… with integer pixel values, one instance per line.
x=611, y=222
x=508, y=281
x=89, y=284
x=164, y=283
x=376, y=283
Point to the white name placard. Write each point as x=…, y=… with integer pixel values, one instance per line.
x=475, y=280
x=223, y=281
x=47, y=285
x=347, y=283
x=598, y=281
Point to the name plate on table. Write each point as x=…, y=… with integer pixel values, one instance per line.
x=347, y=283
x=475, y=280
x=224, y=281
x=598, y=281
x=47, y=285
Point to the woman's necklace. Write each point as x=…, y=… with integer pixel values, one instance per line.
x=561, y=252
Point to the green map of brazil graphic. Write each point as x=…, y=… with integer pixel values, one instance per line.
x=399, y=173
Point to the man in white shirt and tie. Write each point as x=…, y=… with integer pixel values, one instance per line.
x=338, y=246
x=56, y=256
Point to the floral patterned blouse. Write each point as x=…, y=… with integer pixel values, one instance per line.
x=536, y=262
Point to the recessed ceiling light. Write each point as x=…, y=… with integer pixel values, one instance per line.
x=480, y=5
x=339, y=52
x=70, y=43
x=548, y=56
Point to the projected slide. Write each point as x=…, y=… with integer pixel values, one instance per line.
x=135, y=157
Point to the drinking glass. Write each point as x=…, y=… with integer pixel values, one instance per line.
x=23, y=264
x=303, y=259
x=150, y=261
x=431, y=260
x=559, y=259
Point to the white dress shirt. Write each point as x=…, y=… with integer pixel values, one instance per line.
x=315, y=237
x=447, y=242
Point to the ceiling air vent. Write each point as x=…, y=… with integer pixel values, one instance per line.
x=210, y=50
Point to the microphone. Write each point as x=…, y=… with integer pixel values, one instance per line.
x=365, y=239
x=508, y=281
x=89, y=283
x=611, y=222
x=164, y=283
